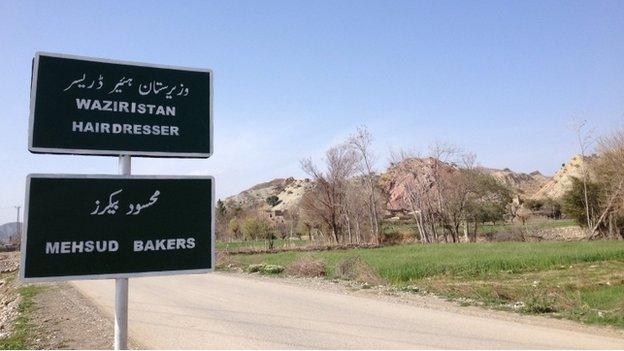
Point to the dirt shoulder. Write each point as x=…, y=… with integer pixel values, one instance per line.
x=64, y=319
x=49, y=315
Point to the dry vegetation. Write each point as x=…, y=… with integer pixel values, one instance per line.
x=575, y=280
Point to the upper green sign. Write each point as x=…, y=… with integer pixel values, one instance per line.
x=101, y=107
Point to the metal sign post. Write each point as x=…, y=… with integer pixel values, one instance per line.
x=121, y=284
x=121, y=314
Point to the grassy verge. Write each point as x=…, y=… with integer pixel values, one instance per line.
x=577, y=280
x=21, y=329
x=590, y=292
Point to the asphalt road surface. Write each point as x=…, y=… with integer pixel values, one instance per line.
x=231, y=311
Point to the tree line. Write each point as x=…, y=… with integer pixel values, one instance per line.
x=445, y=195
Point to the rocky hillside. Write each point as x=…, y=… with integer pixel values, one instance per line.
x=416, y=176
x=523, y=184
x=288, y=191
x=561, y=182
x=8, y=232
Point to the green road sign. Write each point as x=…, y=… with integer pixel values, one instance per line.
x=92, y=227
x=102, y=107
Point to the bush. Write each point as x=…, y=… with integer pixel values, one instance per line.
x=273, y=200
x=513, y=233
x=540, y=305
x=391, y=237
x=355, y=269
x=574, y=201
x=265, y=268
x=306, y=266
x=258, y=227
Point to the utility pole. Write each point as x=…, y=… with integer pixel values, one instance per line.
x=19, y=227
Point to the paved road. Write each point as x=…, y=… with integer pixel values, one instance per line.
x=225, y=311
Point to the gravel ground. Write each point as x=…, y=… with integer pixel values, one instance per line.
x=9, y=261
x=64, y=319
x=9, y=300
x=8, y=303
x=61, y=318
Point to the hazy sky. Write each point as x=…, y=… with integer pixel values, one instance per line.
x=501, y=79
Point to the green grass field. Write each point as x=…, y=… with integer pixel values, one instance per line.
x=576, y=280
x=409, y=229
x=260, y=244
x=531, y=225
x=402, y=263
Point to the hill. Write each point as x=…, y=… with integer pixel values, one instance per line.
x=413, y=175
x=561, y=182
x=522, y=184
x=288, y=191
x=400, y=177
x=419, y=173
x=8, y=232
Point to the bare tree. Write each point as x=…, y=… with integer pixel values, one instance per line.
x=361, y=142
x=445, y=190
x=331, y=186
x=610, y=175
x=446, y=154
x=584, y=139
x=420, y=182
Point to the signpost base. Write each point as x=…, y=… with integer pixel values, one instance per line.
x=121, y=284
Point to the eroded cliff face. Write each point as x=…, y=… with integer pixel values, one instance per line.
x=414, y=175
x=288, y=191
x=522, y=184
x=561, y=182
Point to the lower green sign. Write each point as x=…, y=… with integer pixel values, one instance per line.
x=93, y=227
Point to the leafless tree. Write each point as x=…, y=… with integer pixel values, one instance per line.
x=445, y=190
x=341, y=162
x=584, y=140
x=610, y=175
x=361, y=142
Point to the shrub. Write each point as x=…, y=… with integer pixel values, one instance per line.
x=273, y=269
x=539, y=305
x=273, y=200
x=513, y=233
x=574, y=201
x=259, y=227
x=265, y=268
x=354, y=268
x=391, y=237
x=306, y=266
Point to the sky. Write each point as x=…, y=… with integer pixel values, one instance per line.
x=502, y=79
